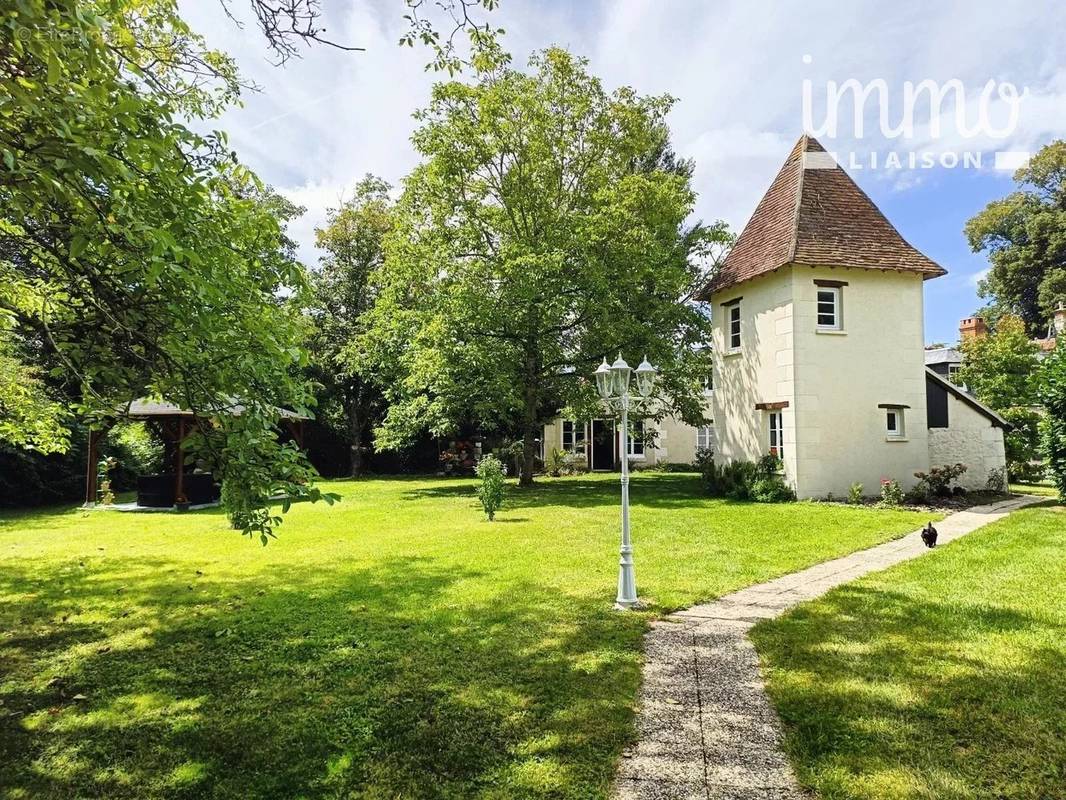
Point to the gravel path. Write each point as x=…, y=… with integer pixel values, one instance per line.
x=706, y=727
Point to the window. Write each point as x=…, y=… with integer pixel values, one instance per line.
x=636, y=439
x=705, y=437
x=894, y=423
x=829, y=316
x=734, y=327
x=573, y=436
x=708, y=382
x=953, y=373
x=777, y=434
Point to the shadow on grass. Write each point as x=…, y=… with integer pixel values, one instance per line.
x=656, y=490
x=883, y=695
x=132, y=678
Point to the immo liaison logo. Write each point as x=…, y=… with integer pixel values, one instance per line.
x=936, y=124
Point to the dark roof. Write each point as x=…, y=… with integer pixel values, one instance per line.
x=815, y=215
x=146, y=407
x=967, y=398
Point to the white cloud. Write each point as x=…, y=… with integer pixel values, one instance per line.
x=323, y=121
x=977, y=277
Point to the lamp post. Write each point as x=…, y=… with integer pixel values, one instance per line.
x=612, y=382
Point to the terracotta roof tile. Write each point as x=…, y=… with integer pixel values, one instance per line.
x=814, y=214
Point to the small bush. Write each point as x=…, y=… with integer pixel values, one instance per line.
x=939, y=479
x=490, y=492
x=772, y=489
x=891, y=492
x=997, y=480
x=855, y=493
x=704, y=458
x=744, y=480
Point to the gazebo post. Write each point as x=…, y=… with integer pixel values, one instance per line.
x=90, y=468
x=179, y=472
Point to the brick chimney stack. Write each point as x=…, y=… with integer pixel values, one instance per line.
x=972, y=327
x=1059, y=320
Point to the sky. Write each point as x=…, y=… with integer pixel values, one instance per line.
x=739, y=72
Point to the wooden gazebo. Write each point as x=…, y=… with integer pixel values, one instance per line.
x=175, y=424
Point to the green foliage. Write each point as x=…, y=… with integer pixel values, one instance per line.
x=28, y=418
x=997, y=480
x=559, y=462
x=136, y=250
x=1052, y=394
x=350, y=402
x=536, y=237
x=704, y=459
x=891, y=493
x=490, y=490
x=938, y=480
x=1022, y=443
x=1024, y=235
x=999, y=368
x=855, y=493
x=744, y=480
x=136, y=448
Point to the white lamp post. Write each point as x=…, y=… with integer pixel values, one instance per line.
x=612, y=382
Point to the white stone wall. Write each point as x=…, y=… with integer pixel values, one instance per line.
x=970, y=439
x=841, y=379
x=762, y=372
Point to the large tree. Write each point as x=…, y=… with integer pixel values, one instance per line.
x=136, y=254
x=543, y=231
x=1024, y=235
x=1052, y=394
x=350, y=401
x=1001, y=369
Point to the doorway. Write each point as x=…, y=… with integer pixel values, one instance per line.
x=602, y=445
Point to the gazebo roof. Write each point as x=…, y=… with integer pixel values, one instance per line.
x=148, y=408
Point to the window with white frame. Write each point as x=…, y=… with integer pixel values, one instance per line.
x=894, y=423
x=734, y=327
x=708, y=382
x=777, y=433
x=705, y=437
x=636, y=439
x=573, y=436
x=830, y=317
x=953, y=373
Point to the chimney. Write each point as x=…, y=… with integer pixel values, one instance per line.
x=972, y=327
x=1059, y=320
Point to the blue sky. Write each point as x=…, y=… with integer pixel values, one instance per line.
x=737, y=69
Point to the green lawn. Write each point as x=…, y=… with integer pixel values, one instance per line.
x=393, y=645
x=941, y=678
x=1044, y=489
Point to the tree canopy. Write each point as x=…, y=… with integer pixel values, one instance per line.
x=543, y=230
x=342, y=293
x=137, y=255
x=1024, y=235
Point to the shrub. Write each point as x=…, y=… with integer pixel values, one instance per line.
x=772, y=489
x=939, y=479
x=1022, y=444
x=855, y=493
x=558, y=462
x=745, y=480
x=732, y=480
x=490, y=492
x=997, y=480
x=891, y=492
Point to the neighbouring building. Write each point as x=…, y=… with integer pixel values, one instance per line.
x=819, y=351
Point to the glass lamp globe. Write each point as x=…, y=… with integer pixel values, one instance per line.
x=620, y=372
x=645, y=378
x=603, y=379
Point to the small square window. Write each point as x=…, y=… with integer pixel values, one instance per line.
x=894, y=423
x=705, y=437
x=829, y=312
x=734, y=327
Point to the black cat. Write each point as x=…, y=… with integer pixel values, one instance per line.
x=929, y=535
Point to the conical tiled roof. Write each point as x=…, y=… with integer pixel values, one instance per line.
x=814, y=214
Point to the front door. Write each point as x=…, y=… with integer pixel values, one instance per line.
x=602, y=444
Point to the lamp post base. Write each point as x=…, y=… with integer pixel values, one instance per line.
x=630, y=605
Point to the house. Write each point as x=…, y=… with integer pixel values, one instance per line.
x=819, y=351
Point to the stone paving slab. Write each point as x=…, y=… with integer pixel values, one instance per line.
x=706, y=728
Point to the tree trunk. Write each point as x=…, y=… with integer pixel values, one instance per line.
x=529, y=454
x=356, y=426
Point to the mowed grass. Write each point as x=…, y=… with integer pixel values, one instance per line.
x=941, y=678
x=395, y=645
x=1044, y=489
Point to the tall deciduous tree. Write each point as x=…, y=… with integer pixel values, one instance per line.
x=1001, y=370
x=1052, y=394
x=342, y=294
x=1024, y=235
x=142, y=256
x=544, y=230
